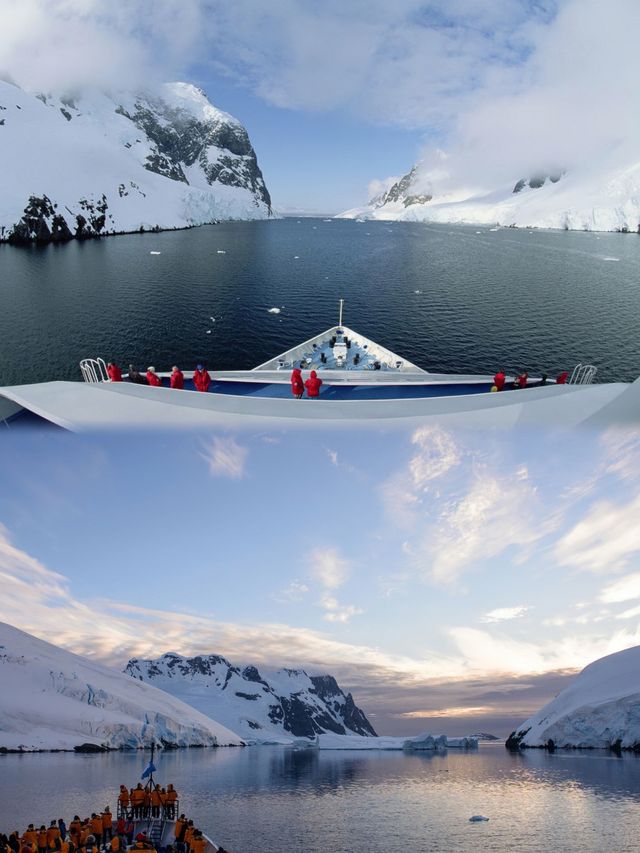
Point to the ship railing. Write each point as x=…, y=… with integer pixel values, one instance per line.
x=94, y=370
x=583, y=374
x=169, y=811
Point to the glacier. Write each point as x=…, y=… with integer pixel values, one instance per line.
x=599, y=710
x=92, y=163
x=603, y=196
x=52, y=699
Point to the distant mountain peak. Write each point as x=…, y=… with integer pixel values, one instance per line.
x=280, y=705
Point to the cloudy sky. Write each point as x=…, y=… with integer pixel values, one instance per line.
x=339, y=97
x=453, y=582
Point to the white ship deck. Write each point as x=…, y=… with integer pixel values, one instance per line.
x=82, y=407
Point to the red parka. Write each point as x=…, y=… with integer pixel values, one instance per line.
x=115, y=374
x=177, y=379
x=522, y=380
x=499, y=379
x=313, y=385
x=297, y=384
x=562, y=379
x=201, y=379
x=152, y=379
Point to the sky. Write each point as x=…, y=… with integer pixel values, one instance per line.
x=453, y=581
x=340, y=98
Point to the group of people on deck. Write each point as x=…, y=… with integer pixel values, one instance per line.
x=100, y=833
x=201, y=377
x=299, y=386
x=522, y=381
x=151, y=801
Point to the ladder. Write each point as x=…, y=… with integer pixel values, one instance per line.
x=583, y=374
x=94, y=370
x=156, y=831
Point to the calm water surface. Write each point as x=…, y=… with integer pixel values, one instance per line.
x=510, y=298
x=271, y=799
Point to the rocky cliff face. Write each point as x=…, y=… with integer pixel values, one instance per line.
x=96, y=163
x=275, y=706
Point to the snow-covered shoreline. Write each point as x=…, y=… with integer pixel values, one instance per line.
x=599, y=710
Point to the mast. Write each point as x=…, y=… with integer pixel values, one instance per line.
x=340, y=319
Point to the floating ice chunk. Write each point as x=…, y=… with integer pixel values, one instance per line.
x=213, y=319
x=296, y=257
x=477, y=818
x=221, y=252
x=155, y=253
x=274, y=310
x=208, y=331
x=494, y=229
x=609, y=258
x=417, y=291
x=327, y=220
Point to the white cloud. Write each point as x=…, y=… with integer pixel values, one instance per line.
x=329, y=567
x=292, y=593
x=495, y=513
x=625, y=589
x=503, y=614
x=226, y=458
x=437, y=454
x=604, y=540
x=333, y=456
x=337, y=612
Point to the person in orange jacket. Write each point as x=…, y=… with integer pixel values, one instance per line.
x=52, y=833
x=115, y=845
x=201, y=378
x=123, y=800
x=107, y=824
x=171, y=799
x=177, y=378
x=156, y=801
x=42, y=839
x=198, y=842
x=30, y=836
x=313, y=385
x=137, y=800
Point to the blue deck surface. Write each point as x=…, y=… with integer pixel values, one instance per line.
x=282, y=391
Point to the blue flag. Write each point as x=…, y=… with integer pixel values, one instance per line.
x=149, y=769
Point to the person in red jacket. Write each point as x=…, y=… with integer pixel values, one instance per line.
x=177, y=378
x=499, y=379
x=201, y=378
x=522, y=380
x=115, y=374
x=562, y=378
x=153, y=378
x=313, y=385
x=297, y=385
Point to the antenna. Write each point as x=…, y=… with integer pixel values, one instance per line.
x=341, y=304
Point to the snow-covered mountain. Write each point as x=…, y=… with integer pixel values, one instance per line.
x=90, y=163
x=599, y=710
x=602, y=197
x=274, y=706
x=53, y=699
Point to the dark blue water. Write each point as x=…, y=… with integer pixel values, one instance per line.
x=272, y=799
x=518, y=300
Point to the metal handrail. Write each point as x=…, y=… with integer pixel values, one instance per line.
x=583, y=374
x=94, y=370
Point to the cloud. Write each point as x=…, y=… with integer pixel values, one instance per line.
x=495, y=512
x=436, y=454
x=333, y=456
x=625, y=589
x=226, y=458
x=604, y=540
x=292, y=593
x=503, y=614
x=337, y=612
x=328, y=567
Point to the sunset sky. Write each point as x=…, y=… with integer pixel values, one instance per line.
x=449, y=580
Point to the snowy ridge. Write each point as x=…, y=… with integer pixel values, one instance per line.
x=275, y=706
x=53, y=699
x=424, y=742
x=604, y=197
x=91, y=163
x=599, y=710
